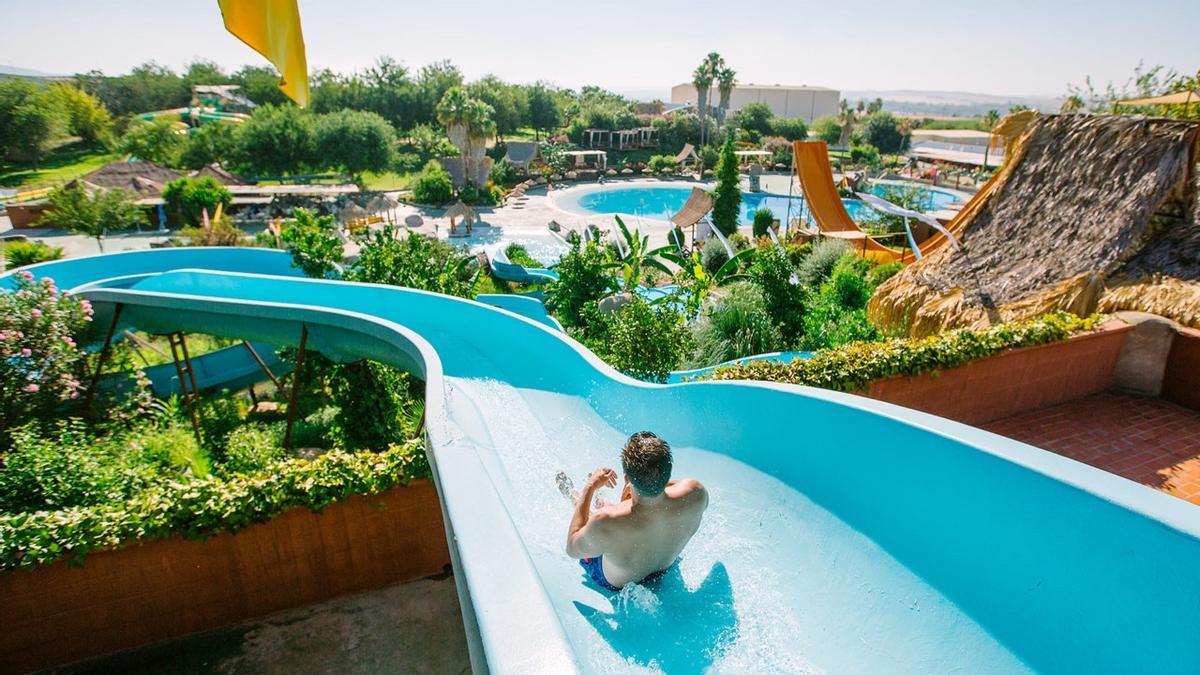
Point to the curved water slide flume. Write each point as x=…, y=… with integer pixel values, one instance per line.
x=844, y=534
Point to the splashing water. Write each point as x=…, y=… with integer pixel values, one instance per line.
x=771, y=582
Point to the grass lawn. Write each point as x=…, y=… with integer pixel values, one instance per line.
x=63, y=164
x=387, y=181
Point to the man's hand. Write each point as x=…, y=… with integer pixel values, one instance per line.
x=602, y=477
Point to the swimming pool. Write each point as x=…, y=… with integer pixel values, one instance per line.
x=660, y=201
x=544, y=248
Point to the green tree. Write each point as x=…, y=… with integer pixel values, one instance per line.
x=726, y=81
x=544, y=112
x=29, y=120
x=158, y=140
x=728, y=203
x=276, y=140
x=86, y=116
x=702, y=79
x=73, y=208
x=883, y=130
x=354, y=141
x=510, y=105
x=314, y=243
x=826, y=128
x=755, y=117
x=203, y=71
x=260, y=84
x=469, y=125
x=209, y=144
x=187, y=198
x=791, y=128
x=146, y=88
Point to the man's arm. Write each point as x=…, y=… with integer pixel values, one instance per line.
x=582, y=536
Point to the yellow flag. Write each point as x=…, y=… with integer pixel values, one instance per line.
x=272, y=28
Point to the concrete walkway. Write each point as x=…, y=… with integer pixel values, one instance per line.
x=408, y=628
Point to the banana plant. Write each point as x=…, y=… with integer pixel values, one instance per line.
x=638, y=255
x=695, y=283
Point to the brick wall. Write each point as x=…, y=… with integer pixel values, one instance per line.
x=1181, y=379
x=1012, y=382
x=57, y=614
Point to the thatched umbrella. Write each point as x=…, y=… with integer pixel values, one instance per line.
x=352, y=214
x=1084, y=208
x=384, y=204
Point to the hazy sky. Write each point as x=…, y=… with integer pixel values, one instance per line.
x=1018, y=47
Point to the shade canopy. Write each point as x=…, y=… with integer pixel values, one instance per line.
x=698, y=204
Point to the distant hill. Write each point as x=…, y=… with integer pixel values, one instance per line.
x=957, y=103
x=14, y=71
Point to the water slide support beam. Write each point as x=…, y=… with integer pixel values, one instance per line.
x=112, y=328
x=291, y=409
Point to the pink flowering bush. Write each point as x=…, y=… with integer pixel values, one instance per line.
x=40, y=362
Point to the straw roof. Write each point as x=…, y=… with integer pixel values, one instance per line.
x=1178, y=98
x=220, y=173
x=698, y=204
x=1087, y=208
x=352, y=211
x=382, y=202
x=145, y=178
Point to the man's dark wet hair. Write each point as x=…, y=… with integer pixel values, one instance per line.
x=647, y=463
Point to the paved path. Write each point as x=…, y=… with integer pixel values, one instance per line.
x=408, y=628
x=1147, y=440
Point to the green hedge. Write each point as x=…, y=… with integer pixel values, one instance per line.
x=205, y=506
x=853, y=366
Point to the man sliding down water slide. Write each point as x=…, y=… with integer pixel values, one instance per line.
x=640, y=537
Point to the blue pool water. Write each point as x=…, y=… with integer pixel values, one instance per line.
x=544, y=248
x=659, y=201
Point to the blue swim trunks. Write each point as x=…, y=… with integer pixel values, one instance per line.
x=594, y=568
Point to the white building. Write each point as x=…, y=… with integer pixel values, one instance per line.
x=806, y=102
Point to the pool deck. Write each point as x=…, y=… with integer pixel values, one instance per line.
x=1147, y=440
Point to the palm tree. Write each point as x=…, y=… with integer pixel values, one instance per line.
x=702, y=80
x=846, y=118
x=469, y=126
x=726, y=80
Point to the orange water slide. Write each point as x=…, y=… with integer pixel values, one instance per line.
x=825, y=204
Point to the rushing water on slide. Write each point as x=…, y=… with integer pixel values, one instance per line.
x=770, y=583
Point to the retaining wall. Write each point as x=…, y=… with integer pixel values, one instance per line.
x=160, y=589
x=1013, y=382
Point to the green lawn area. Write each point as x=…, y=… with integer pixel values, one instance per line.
x=64, y=163
x=387, y=181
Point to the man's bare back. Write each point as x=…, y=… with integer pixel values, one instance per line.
x=645, y=532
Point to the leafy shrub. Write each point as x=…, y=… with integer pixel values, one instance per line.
x=517, y=254
x=313, y=242
x=780, y=149
x=154, y=141
x=170, y=447
x=881, y=273
x=433, y=185
x=763, y=219
x=865, y=154
x=882, y=130
x=826, y=128
x=219, y=417
x=22, y=253
x=710, y=156
x=220, y=232
x=504, y=173
x=791, y=128
x=819, y=264
x=205, y=506
x=583, y=281
x=662, y=162
x=92, y=215
x=713, y=255
x=736, y=325
x=853, y=366
x=59, y=467
x=641, y=341
x=40, y=363
x=187, y=198
x=250, y=449
x=488, y=195
x=783, y=297
x=388, y=257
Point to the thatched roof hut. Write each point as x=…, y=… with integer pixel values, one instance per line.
x=220, y=173
x=145, y=178
x=1089, y=213
x=352, y=212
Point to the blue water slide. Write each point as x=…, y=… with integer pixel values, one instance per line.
x=844, y=534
